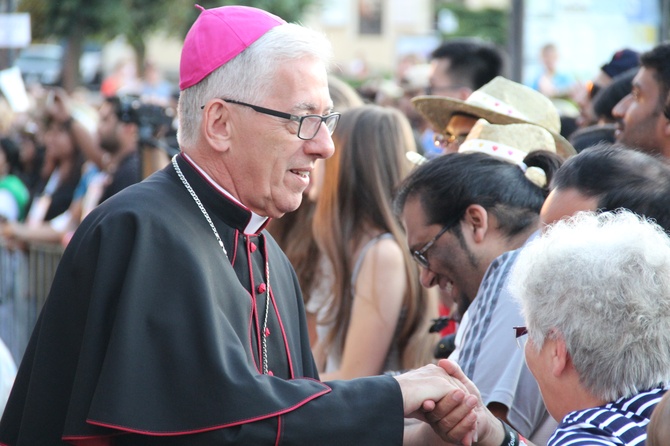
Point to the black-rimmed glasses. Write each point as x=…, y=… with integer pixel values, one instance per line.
x=420, y=254
x=308, y=125
x=519, y=333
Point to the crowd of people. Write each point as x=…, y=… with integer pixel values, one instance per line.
x=282, y=277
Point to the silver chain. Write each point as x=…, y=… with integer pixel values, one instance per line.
x=197, y=201
x=264, y=342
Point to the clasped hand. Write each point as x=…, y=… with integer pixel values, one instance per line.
x=446, y=399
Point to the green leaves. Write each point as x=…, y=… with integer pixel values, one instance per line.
x=105, y=18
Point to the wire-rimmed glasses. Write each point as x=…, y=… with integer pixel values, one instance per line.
x=420, y=254
x=308, y=125
x=442, y=140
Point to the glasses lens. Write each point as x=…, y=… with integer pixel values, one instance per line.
x=309, y=125
x=331, y=122
x=443, y=140
x=439, y=140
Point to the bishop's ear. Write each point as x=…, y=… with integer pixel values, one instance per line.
x=216, y=125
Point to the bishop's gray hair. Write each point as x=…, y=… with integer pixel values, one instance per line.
x=602, y=283
x=250, y=75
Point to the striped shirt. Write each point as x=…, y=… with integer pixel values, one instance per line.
x=489, y=356
x=623, y=422
x=482, y=311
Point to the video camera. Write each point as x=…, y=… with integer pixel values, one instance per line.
x=154, y=122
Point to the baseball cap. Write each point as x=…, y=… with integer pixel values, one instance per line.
x=621, y=61
x=217, y=36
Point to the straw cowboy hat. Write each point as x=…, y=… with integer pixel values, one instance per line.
x=511, y=142
x=501, y=101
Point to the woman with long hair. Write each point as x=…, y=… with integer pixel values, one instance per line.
x=60, y=174
x=61, y=171
x=372, y=313
x=293, y=231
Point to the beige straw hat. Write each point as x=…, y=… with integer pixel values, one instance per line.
x=511, y=142
x=501, y=101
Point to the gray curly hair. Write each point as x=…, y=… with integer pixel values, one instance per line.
x=602, y=283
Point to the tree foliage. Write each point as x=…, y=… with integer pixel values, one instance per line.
x=76, y=21
x=489, y=24
x=64, y=18
x=184, y=13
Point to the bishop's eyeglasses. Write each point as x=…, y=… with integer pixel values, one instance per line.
x=308, y=125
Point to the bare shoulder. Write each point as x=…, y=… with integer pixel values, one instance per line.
x=385, y=254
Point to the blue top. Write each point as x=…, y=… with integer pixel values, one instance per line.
x=622, y=422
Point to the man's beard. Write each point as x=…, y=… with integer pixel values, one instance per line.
x=463, y=304
x=110, y=145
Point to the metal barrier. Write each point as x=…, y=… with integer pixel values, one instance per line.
x=25, y=280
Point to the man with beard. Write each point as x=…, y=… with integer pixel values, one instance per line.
x=118, y=135
x=115, y=151
x=642, y=124
x=466, y=216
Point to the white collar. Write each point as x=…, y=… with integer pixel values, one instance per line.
x=256, y=221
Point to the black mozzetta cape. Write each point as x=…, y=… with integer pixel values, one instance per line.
x=151, y=336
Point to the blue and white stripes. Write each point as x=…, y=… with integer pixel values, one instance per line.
x=623, y=422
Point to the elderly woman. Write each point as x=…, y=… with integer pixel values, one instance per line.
x=595, y=294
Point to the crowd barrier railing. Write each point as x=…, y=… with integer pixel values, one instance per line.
x=25, y=280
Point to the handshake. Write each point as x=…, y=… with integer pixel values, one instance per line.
x=448, y=402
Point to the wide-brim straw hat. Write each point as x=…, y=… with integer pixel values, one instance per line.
x=501, y=101
x=508, y=141
x=511, y=142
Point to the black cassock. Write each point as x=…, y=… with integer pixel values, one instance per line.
x=151, y=336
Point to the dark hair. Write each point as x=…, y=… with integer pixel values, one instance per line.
x=471, y=61
x=606, y=98
x=658, y=59
x=593, y=135
x=11, y=151
x=568, y=126
x=620, y=177
x=447, y=185
x=126, y=108
x=150, y=119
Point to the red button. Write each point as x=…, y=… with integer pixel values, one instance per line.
x=261, y=288
x=270, y=373
x=267, y=331
x=252, y=247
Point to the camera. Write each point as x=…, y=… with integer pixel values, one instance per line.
x=154, y=123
